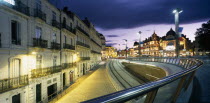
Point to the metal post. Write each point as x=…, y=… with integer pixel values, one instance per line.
x=189, y=80
x=151, y=96
x=140, y=43
x=178, y=90
x=177, y=12
x=177, y=33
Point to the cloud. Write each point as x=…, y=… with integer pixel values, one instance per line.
x=111, y=44
x=112, y=35
x=109, y=41
x=135, y=13
x=136, y=40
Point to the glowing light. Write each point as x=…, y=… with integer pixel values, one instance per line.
x=174, y=11
x=34, y=53
x=75, y=58
x=170, y=47
x=12, y=2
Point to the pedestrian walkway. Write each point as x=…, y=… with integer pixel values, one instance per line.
x=95, y=85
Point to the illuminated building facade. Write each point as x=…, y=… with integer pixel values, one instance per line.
x=109, y=52
x=164, y=46
x=43, y=50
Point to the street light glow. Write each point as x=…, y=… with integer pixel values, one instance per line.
x=177, y=10
x=174, y=11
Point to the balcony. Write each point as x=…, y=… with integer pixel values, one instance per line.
x=55, y=46
x=56, y=24
x=68, y=65
x=12, y=83
x=84, y=58
x=92, y=51
x=68, y=46
x=41, y=72
x=20, y=7
x=95, y=42
x=81, y=30
x=83, y=44
x=38, y=13
x=38, y=42
x=69, y=28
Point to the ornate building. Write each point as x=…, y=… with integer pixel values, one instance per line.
x=109, y=52
x=164, y=46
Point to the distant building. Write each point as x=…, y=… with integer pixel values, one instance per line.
x=109, y=52
x=164, y=46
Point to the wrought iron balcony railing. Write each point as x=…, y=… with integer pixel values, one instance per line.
x=68, y=65
x=92, y=51
x=81, y=30
x=12, y=83
x=83, y=44
x=55, y=24
x=68, y=46
x=84, y=58
x=150, y=90
x=55, y=46
x=40, y=72
x=96, y=42
x=38, y=13
x=38, y=42
x=19, y=6
x=69, y=28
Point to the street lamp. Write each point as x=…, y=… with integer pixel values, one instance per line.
x=119, y=47
x=176, y=13
x=126, y=47
x=139, y=43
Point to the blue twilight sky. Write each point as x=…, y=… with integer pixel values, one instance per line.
x=122, y=19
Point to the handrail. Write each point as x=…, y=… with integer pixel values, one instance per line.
x=190, y=65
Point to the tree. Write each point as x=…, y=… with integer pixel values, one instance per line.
x=203, y=36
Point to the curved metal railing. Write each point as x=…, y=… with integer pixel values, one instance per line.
x=150, y=89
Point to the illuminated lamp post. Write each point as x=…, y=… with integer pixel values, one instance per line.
x=176, y=13
x=126, y=48
x=139, y=43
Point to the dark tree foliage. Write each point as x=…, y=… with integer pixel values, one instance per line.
x=203, y=36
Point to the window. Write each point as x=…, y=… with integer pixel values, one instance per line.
x=64, y=21
x=66, y=61
x=38, y=32
x=38, y=4
x=70, y=24
x=39, y=61
x=55, y=61
x=54, y=38
x=53, y=15
x=72, y=41
x=65, y=39
x=15, y=33
x=15, y=68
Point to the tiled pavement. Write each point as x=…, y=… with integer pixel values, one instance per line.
x=95, y=85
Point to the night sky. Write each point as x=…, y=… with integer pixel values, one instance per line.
x=122, y=19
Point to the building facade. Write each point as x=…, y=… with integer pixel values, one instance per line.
x=164, y=46
x=43, y=50
x=109, y=52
